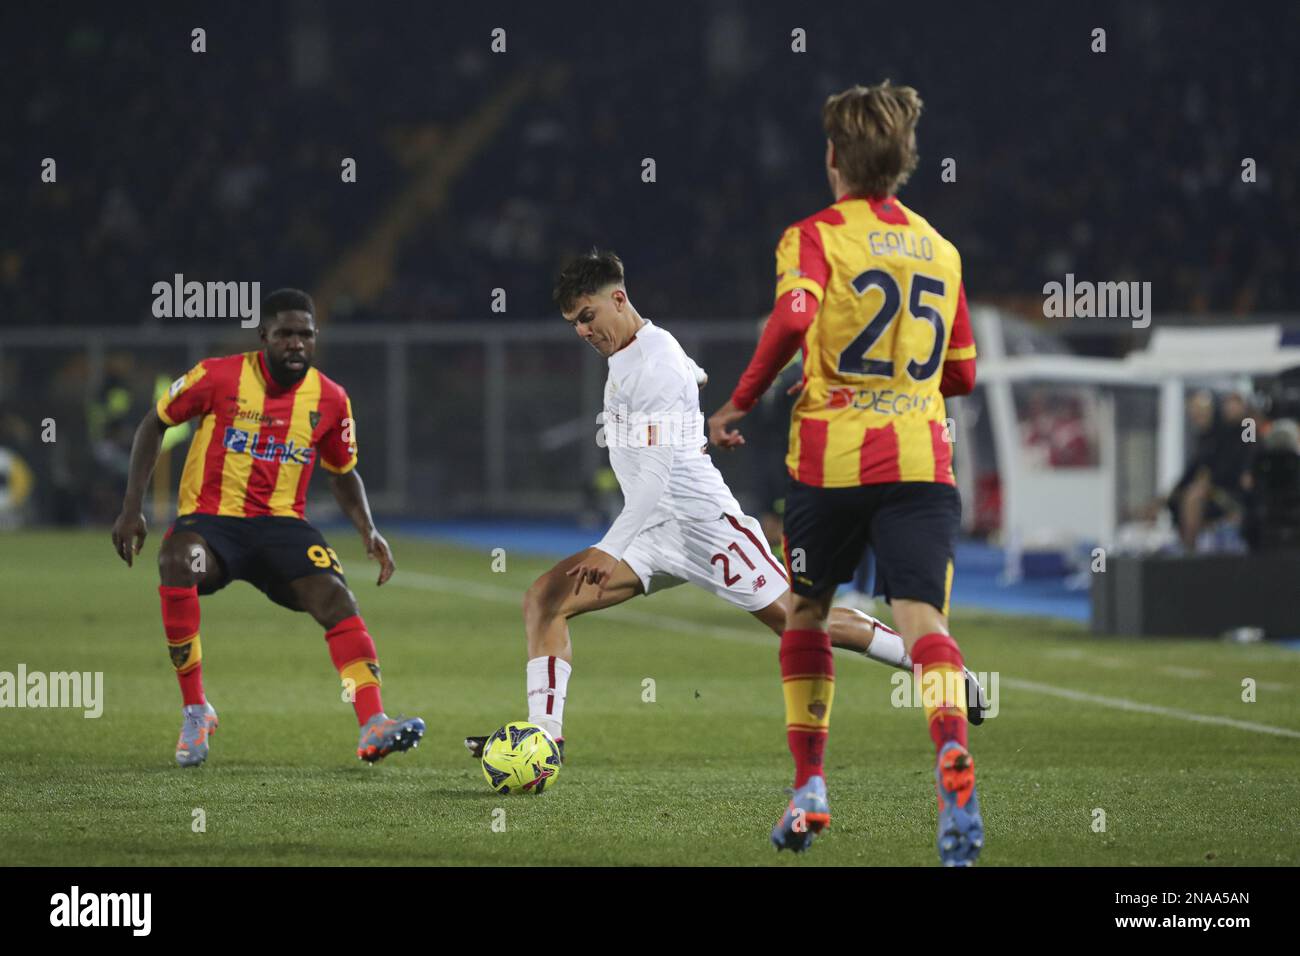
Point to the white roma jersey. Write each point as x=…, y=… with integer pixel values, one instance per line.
x=653, y=423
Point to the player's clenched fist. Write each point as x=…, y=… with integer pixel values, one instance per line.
x=129, y=532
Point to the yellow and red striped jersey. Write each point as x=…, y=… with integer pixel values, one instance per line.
x=890, y=311
x=258, y=441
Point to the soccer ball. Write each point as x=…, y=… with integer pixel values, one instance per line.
x=521, y=758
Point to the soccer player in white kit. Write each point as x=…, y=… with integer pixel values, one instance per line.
x=680, y=522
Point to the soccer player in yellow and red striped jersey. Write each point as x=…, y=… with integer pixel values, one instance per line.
x=266, y=416
x=873, y=295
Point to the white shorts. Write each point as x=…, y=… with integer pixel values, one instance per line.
x=728, y=556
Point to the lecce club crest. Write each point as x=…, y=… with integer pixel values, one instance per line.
x=314, y=418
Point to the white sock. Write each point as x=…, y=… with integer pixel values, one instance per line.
x=888, y=648
x=548, y=684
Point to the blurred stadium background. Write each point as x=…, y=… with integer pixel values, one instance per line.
x=479, y=171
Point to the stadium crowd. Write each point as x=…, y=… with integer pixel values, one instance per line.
x=225, y=165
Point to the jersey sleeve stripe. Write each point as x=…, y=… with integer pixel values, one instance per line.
x=339, y=471
x=350, y=424
x=789, y=283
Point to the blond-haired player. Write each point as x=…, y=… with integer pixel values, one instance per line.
x=873, y=295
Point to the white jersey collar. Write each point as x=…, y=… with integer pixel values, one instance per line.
x=624, y=354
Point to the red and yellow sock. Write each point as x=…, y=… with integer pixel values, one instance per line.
x=943, y=687
x=180, y=614
x=808, y=681
x=352, y=650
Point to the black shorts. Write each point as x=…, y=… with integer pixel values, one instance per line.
x=911, y=526
x=266, y=552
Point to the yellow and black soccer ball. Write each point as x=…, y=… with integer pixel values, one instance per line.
x=521, y=758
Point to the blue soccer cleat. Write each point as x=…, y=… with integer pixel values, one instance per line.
x=961, y=829
x=199, y=724
x=807, y=815
x=382, y=735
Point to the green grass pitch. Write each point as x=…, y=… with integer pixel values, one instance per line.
x=694, y=777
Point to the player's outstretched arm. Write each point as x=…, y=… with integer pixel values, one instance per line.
x=130, y=529
x=641, y=493
x=782, y=336
x=350, y=493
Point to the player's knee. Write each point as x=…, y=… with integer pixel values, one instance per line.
x=808, y=612
x=342, y=602
x=915, y=619
x=177, y=566
x=339, y=605
x=534, y=598
x=543, y=597
x=326, y=598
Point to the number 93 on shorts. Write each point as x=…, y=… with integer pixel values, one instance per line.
x=267, y=552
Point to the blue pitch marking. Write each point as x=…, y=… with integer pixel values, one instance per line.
x=976, y=575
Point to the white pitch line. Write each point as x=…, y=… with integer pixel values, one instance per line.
x=1119, y=703
x=492, y=592
x=435, y=582
x=1191, y=672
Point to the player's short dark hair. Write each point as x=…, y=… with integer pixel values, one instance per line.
x=586, y=274
x=287, y=300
